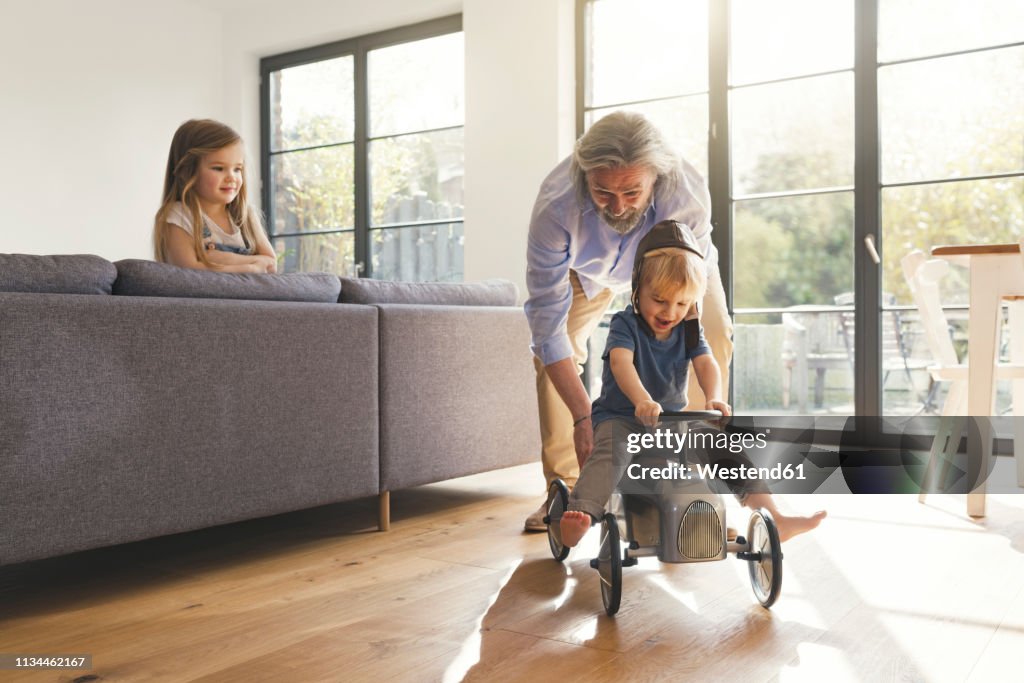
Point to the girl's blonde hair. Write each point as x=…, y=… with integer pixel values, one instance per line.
x=193, y=140
x=674, y=270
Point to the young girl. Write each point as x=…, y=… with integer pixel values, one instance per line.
x=204, y=186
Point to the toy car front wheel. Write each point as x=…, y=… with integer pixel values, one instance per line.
x=609, y=564
x=765, y=558
x=558, y=497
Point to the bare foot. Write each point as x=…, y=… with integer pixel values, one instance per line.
x=794, y=525
x=574, y=526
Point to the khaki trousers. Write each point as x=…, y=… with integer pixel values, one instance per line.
x=558, y=453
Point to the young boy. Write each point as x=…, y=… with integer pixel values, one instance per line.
x=649, y=348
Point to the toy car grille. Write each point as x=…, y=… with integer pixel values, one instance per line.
x=700, y=532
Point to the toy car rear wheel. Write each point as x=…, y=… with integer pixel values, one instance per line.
x=609, y=564
x=558, y=501
x=766, y=570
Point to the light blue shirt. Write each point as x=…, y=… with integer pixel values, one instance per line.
x=567, y=235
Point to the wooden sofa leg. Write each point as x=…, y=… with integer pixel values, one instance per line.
x=384, y=511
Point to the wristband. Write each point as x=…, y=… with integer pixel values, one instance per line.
x=577, y=422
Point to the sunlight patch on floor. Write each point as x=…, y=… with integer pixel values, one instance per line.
x=469, y=653
x=686, y=598
x=812, y=660
x=567, y=590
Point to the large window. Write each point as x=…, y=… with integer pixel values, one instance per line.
x=824, y=125
x=363, y=154
x=951, y=116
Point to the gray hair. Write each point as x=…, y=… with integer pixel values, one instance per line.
x=620, y=139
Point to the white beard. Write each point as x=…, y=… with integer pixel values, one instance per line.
x=625, y=223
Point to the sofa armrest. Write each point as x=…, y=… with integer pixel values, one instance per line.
x=458, y=392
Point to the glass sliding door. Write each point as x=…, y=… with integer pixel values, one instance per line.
x=951, y=113
x=791, y=118
x=820, y=123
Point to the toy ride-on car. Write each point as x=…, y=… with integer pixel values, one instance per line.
x=676, y=521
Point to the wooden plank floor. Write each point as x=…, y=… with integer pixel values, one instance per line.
x=886, y=589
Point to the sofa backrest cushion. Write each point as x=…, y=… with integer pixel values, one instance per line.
x=150, y=278
x=486, y=293
x=60, y=274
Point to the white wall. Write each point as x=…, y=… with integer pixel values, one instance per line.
x=90, y=94
x=270, y=27
x=99, y=87
x=520, y=121
x=520, y=106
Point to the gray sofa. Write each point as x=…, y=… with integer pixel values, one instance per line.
x=131, y=406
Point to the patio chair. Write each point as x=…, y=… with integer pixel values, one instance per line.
x=897, y=347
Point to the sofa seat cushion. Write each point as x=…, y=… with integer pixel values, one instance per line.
x=149, y=278
x=487, y=293
x=60, y=274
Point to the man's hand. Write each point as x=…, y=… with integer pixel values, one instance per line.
x=583, y=440
x=567, y=383
x=647, y=412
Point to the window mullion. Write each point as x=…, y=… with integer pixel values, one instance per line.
x=361, y=171
x=867, y=213
x=719, y=171
x=582, y=68
x=265, y=181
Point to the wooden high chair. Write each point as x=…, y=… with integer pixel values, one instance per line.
x=923, y=276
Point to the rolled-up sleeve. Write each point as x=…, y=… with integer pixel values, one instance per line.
x=547, y=280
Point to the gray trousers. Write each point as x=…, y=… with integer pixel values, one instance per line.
x=609, y=459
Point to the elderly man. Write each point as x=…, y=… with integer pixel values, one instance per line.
x=590, y=213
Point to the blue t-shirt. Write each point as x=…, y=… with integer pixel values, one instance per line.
x=661, y=365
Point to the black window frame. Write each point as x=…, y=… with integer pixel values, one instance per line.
x=867, y=187
x=358, y=48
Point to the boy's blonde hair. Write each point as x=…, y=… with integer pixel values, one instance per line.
x=193, y=140
x=672, y=269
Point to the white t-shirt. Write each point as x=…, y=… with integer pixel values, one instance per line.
x=212, y=233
